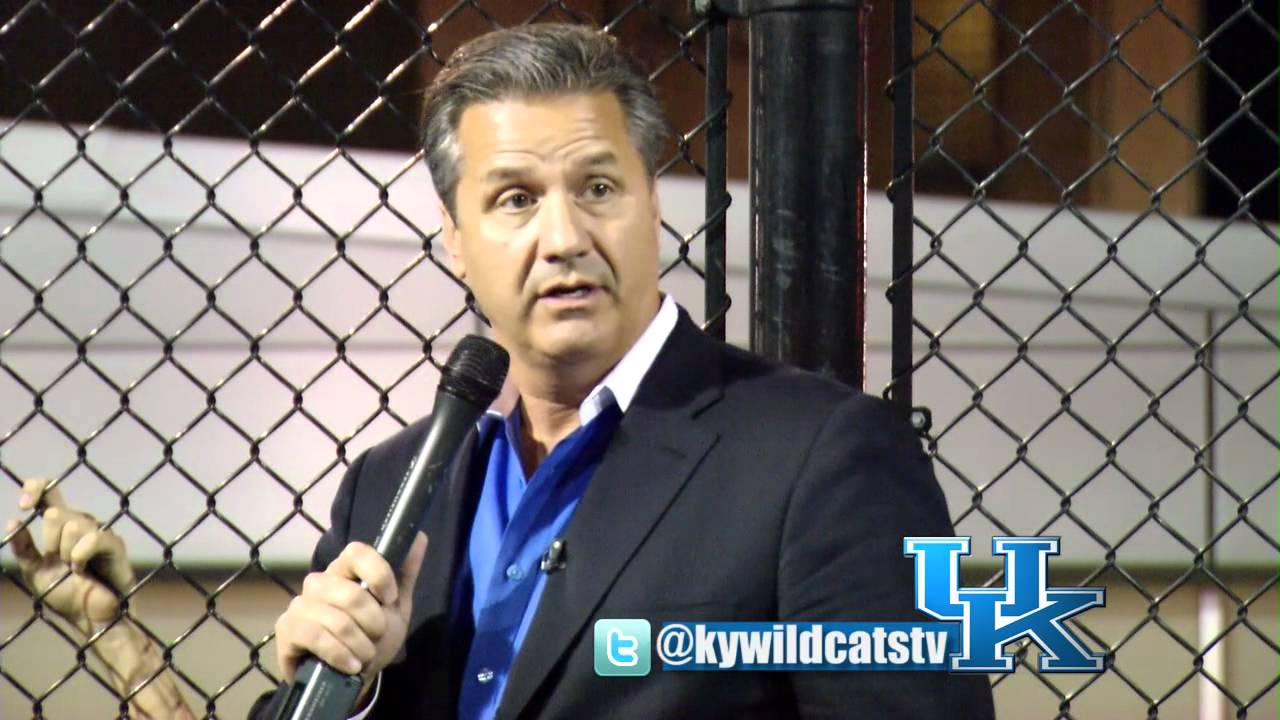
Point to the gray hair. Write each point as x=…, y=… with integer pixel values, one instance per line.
x=529, y=61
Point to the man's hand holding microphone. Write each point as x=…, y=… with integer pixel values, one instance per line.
x=353, y=616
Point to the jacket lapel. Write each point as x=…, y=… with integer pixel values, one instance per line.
x=655, y=449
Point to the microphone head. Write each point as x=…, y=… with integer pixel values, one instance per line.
x=475, y=371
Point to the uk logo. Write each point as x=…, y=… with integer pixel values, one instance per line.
x=990, y=618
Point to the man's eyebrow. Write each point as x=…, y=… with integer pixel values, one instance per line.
x=601, y=157
x=504, y=173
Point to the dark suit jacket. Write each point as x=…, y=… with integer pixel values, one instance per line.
x=734, y=489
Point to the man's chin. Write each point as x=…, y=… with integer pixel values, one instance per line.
x=573, y=342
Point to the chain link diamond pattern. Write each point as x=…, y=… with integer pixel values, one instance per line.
x=175, y=345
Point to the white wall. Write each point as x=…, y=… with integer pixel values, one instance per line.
x=164, y=200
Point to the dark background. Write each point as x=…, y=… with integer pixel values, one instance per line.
x=358, y=86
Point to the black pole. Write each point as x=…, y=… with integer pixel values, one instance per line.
x=808, y=184
x=716, y=300
x=902, y=195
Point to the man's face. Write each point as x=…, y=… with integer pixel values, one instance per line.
x=556, y=227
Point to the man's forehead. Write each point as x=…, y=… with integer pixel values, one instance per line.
x=586, y=128
x=503, y=165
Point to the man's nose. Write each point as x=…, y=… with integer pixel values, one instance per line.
x=562, y=235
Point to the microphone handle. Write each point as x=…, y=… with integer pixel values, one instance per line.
x=451, y=419
x=319, y=692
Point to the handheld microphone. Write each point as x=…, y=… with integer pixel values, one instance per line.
x=469, y=383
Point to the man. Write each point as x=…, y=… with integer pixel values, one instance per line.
x=681, y=479
x=724, y=488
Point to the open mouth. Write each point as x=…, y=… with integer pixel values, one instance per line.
x=569, y=292
x=580, y=291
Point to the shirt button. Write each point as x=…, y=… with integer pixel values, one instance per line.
x=484, y=676
x=514, y=572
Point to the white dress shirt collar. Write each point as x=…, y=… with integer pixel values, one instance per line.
x=619, y=384
x=623, y=380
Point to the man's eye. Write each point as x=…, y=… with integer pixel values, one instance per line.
x=599, y=190
x=518, y=200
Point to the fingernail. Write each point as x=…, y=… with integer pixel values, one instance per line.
x=353, y=666
x=25, y=501
x=10, y=526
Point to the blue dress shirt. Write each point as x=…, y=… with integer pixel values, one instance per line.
x=515, y=522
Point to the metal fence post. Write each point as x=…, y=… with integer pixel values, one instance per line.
x=808, y=182
x=715, y=297
x=902, y=195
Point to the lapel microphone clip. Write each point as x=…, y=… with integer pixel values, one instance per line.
x=554, y=558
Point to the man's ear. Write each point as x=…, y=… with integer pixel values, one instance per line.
x=452, y=239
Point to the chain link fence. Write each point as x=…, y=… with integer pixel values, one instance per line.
x=219, y=283
x=1095, y=350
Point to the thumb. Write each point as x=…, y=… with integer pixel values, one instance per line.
x=412, y=564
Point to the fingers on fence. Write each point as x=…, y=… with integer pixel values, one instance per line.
x=102, y=551
x=62, y=528
x=74, y=537
x=23, y=547
x=37, y=494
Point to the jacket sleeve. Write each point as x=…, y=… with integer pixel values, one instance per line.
x=865, y=484
x=327, y=549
